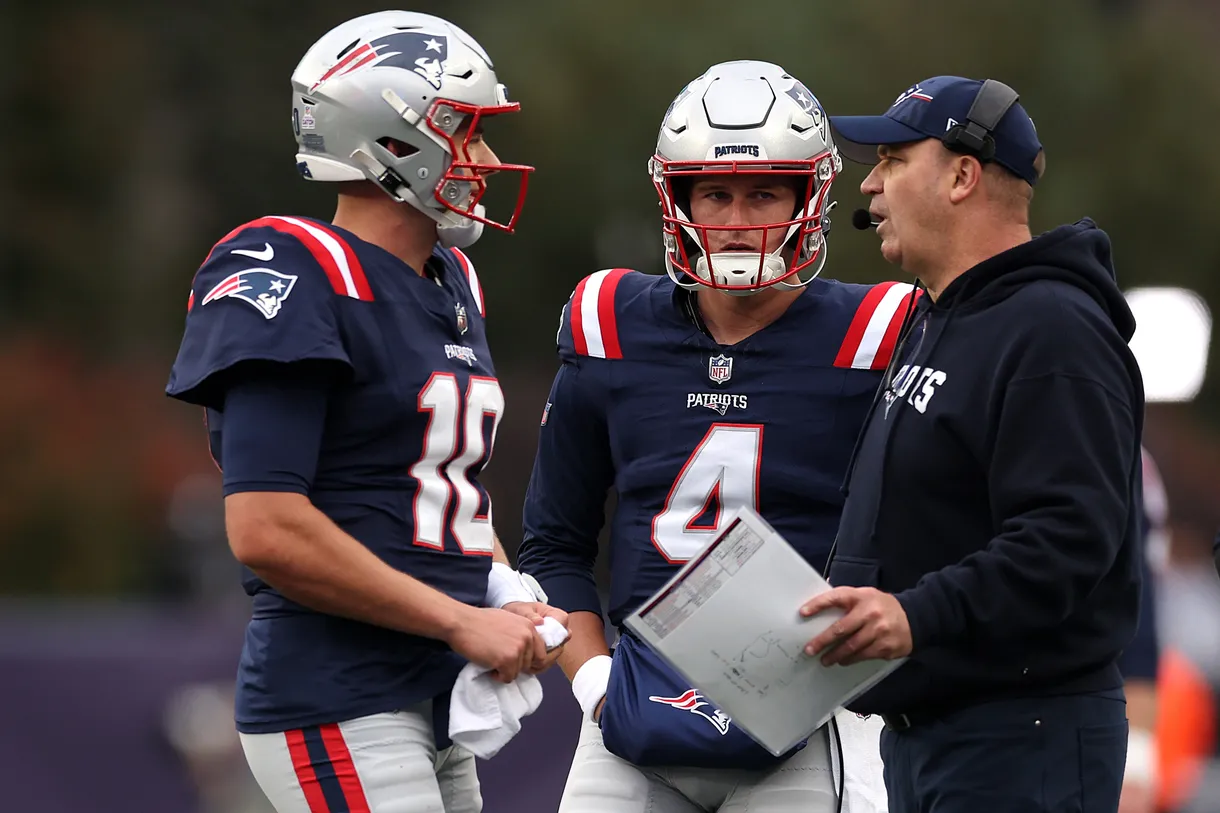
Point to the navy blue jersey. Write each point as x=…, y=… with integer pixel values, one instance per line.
x=687, y=431
x=410, y=422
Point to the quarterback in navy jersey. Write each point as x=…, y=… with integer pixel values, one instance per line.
x=739, y=379
x=351, y=403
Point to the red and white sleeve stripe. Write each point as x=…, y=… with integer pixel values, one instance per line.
x=594, y=324
x=330, y=250
x=475, y=288
x=873, y=333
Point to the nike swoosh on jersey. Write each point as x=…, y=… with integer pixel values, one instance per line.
x=262, y=256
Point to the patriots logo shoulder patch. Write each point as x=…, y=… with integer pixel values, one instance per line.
x=263, y=288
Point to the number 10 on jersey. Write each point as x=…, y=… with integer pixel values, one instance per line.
x=444, y=468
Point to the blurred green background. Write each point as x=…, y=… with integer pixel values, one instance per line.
x=135, y=134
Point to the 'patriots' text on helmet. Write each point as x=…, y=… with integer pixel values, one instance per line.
x=395, y=98
x=745, y=118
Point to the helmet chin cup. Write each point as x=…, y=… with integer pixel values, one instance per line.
x=739, y=273
x=462, y=234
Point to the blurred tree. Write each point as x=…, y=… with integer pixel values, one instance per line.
x=88, y=465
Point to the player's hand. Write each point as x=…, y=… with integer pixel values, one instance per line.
x=536, y=611
x=874, y=626
x=505, y=642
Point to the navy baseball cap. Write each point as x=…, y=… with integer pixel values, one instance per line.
x=931, y=109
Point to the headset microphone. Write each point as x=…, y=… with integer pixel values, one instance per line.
x=862, y=220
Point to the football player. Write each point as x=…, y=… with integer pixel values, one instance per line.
x=351, y=403
x=1139, y=661
x=739, y=379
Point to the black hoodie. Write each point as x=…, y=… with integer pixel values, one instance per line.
x=996, y=486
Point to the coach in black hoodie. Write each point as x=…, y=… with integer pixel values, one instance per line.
x=991, y=524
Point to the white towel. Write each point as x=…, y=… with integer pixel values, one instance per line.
x=484, y=714
x=864, y=783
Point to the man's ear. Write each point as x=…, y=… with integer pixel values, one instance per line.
x=967, y=175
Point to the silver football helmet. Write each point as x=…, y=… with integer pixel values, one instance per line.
x=408, y=81
x=745, y=117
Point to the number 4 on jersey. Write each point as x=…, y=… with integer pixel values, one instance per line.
x=720, y=477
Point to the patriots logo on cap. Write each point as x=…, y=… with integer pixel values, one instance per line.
x=913, y=92
x=263, y=288
x=415, y=51
x=692, y=701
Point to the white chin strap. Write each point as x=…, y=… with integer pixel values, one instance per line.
x=740, y=270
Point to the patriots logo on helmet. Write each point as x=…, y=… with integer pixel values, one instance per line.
x=263, y=288
x=810, y=104
x=677, y=101
x=416, y=51
x=692, y=701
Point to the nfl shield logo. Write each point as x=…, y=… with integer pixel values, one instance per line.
x=462, y=324
x=720, y=368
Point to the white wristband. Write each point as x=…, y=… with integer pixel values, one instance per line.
x=1141, y=757
x=505, y=585
x=590, y=682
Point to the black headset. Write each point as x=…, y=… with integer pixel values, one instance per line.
x=975, y=136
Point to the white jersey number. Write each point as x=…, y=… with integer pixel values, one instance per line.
x=720, y=476
x=444, y=468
